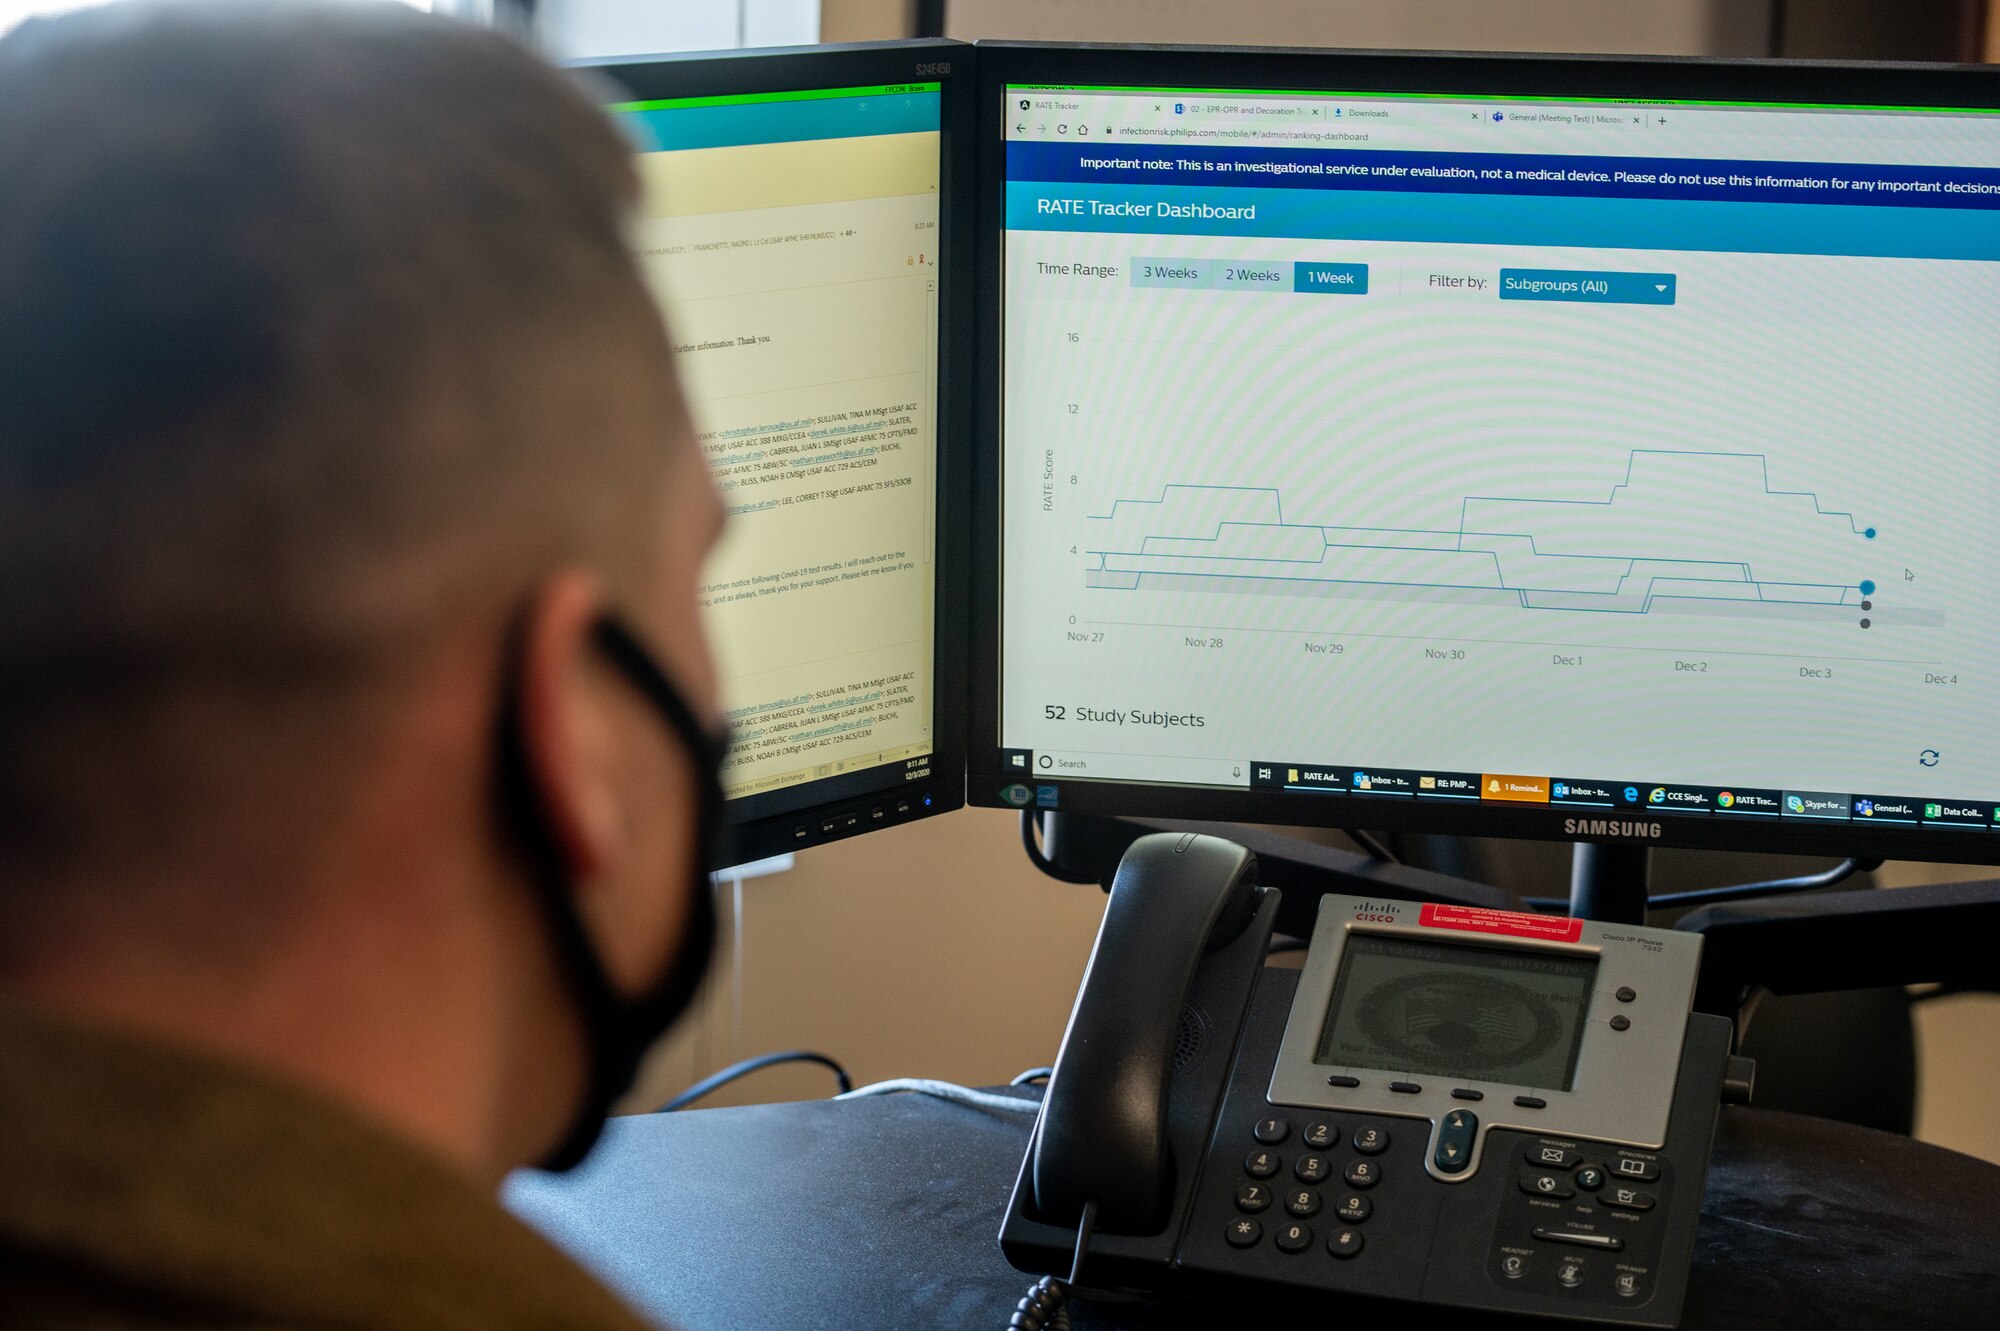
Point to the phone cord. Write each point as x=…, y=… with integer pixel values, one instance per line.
x=1043, y=1308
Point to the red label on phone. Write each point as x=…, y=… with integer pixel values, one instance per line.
x=1514, y=924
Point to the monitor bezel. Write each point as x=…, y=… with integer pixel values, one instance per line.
x=1636, y=77
x=796, y=817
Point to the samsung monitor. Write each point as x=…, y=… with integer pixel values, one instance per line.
x=803, y=226
x=1589, y=449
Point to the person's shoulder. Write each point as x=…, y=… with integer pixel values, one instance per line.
x=155, y=1187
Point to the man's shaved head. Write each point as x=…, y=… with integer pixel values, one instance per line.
x=305, y=316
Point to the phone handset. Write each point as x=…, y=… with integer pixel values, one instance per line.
x=1102, y=1135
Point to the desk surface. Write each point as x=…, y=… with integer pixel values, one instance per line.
x=883, y=1213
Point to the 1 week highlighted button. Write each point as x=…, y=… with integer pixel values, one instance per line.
x=1587, y=287
x=1331, y=279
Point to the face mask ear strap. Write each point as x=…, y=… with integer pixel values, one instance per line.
x=638, y=666
x=597, y=1004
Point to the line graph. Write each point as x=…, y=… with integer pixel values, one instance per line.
x=1681, y=531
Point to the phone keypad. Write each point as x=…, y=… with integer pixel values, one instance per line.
x=1349, y=1206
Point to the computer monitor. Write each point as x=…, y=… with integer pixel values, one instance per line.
x=803, y=225
x=1580, y=449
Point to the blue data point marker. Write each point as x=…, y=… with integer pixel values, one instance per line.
x=1867, y=587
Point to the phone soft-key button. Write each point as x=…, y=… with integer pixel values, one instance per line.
x=1294, y=1237
x=1252, y=1198
x=1344, y=1243
x=1311, y=1169
x=1363, y=1174
x=1262, y=1164
x=1243, y=1232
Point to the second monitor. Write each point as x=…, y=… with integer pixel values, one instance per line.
x=799, y=220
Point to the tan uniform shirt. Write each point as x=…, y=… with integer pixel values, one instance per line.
x=146, y=1187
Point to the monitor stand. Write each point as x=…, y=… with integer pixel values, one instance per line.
x=1610, y=882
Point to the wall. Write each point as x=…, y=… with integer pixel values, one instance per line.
x=935, y=950
x=865, y=20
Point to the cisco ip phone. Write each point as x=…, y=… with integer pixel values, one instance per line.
x=1446, y=1105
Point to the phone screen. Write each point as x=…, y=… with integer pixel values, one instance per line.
x=1484, y=1013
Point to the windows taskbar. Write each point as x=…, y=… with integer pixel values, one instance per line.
x=1515, y=789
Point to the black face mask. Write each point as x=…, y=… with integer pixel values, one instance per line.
x=620, y=1029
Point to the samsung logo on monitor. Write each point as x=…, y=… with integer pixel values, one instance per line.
x=1609, y=827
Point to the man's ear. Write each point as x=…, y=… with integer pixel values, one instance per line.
x=566, y=724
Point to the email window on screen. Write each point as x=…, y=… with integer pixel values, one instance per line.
x=792, y=241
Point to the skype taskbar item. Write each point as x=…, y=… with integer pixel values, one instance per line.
x=1502, y=789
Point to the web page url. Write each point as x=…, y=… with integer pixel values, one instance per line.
x=1259, y=135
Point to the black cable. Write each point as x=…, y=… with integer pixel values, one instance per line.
x=1737, y=891
x=1033, y=1075
x=750, y=1065
x=1775, y=887
x=1042, y=1307
x=1952, y=990
x=1371, y=846
x=1031, y=824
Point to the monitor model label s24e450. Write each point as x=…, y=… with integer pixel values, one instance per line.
x=1583, y=462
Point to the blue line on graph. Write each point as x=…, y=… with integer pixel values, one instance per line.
x=1664, y=578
